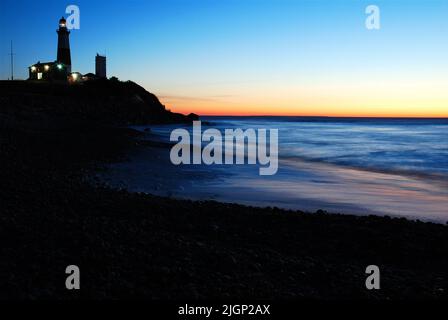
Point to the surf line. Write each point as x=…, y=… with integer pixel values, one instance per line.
x=229, y=148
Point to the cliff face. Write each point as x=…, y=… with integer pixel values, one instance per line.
x=101, y=101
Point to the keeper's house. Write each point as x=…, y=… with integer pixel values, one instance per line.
x=48, y=71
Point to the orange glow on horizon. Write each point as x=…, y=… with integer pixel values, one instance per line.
x=407, y=100
x=231, y=109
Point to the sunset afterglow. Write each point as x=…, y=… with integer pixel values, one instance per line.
x=266, y=58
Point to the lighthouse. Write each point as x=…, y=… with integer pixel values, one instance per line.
x=64, y=45
x=61, y=69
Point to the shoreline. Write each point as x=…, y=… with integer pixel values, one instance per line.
x=132, y=245
x=296, y=187
x=138, y=246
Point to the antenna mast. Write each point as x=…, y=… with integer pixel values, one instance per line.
x=12, y=63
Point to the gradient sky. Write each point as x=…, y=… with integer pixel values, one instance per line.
x=246, y=57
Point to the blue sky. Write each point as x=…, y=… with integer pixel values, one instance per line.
x=260, y=55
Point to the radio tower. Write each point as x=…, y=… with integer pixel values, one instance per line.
x=12, y=62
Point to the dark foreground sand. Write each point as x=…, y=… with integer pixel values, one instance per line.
x=134, y=245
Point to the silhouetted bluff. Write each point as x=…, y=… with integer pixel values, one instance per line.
x=102, y=101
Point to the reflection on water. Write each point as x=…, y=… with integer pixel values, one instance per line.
x=360, y=166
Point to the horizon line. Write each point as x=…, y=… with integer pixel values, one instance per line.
x=308, y=116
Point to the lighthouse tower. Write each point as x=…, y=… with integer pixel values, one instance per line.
x=64, y=45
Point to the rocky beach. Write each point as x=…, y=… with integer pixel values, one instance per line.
x=133, y=245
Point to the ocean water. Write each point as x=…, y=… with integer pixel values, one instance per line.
x=395, y=167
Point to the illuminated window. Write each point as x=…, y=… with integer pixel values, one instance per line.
x=33, y=68
x=47, y=67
